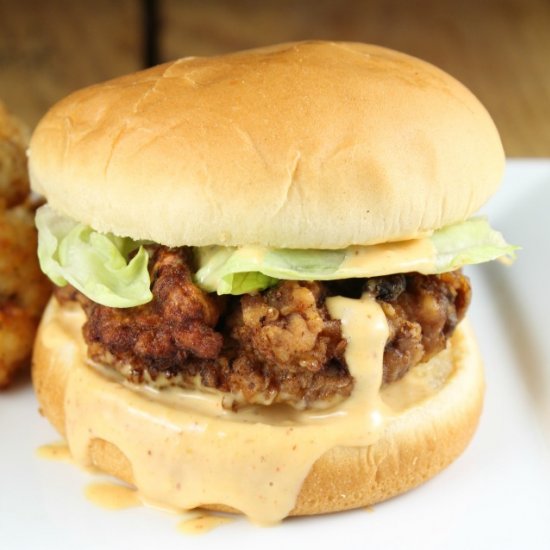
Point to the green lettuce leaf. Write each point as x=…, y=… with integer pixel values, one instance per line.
x=227, y=270
x=241, y=270
x=469, y=242
x=105, y=268
x=113, y=271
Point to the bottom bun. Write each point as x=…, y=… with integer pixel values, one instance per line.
x=414, y=445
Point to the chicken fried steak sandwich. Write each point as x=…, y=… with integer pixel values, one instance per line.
x=260, y=303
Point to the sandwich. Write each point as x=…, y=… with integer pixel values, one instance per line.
x=260, y=303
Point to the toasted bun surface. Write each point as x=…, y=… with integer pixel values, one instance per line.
x=300, y=145
x=415, y=445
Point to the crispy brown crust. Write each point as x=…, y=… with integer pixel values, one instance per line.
x=275, y=346
x=415, y=446
x=24, y=289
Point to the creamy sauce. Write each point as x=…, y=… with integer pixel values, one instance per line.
x=112, y=496
x=387, y=258
x=202, y=524
x=193, y=452
x=416, y=254
x=198, y=453
x=55, y=451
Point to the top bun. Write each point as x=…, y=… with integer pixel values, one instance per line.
x=299, y=145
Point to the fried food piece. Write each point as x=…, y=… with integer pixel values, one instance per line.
x=189, y=338
x=278, y=346
x=286, y=336
x=16, y=338
x=289, y=327
x=24, y=290
x=165, y=333
x=14, y=180
x=422, y=312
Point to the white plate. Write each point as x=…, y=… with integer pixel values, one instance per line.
x=497, y=495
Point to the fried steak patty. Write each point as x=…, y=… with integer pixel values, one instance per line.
x=277, y=346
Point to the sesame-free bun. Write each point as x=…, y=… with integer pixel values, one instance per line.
x=415, y=444
x=300, y=145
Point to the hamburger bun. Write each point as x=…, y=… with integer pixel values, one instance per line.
x=345, y=144
x=414, y=446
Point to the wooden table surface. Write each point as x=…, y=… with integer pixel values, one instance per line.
x=499, y=48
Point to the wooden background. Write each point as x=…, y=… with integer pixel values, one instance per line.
x=498, y=48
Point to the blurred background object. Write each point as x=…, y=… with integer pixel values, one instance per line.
x=499, y=48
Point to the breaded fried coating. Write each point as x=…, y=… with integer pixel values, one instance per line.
x=275, y=346
x=24, y=290
x=14, y=179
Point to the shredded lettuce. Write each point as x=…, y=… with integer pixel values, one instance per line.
x=101, y=266
x=228, y=270
x=112, y=270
